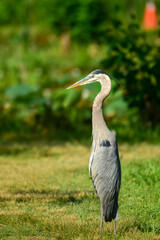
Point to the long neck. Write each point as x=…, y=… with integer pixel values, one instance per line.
x=99, y=128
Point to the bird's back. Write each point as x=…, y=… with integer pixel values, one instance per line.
x=106, y=176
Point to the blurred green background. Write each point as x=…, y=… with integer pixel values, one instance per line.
x=47, y=45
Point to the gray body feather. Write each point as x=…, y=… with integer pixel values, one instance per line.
x=106, y=177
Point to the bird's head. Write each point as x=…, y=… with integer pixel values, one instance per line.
x=95, y=76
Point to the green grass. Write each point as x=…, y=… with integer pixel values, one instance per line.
x=46, y=193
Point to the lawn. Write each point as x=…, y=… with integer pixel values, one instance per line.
x=46, y=193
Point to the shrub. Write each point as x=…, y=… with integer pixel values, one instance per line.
x=133, y=56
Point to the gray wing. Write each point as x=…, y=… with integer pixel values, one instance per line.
x=105, y=172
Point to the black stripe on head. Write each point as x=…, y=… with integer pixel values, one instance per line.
x=98, y=71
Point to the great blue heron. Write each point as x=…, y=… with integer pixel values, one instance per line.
x=104, y=163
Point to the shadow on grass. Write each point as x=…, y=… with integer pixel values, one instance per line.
x=17, y=148
x=12, y=149
x=49, y=196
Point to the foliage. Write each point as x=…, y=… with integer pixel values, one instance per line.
x=46, y=193
x=42, y=12
x=11, y=12
x=34, y=96
x=36, y=70
x=83, y=19
x=133, y=57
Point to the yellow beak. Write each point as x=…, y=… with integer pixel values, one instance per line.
x=79, y=83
